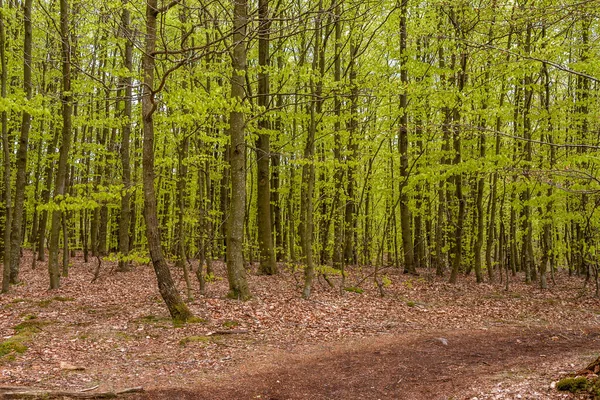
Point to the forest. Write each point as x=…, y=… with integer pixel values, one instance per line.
x=355, y=144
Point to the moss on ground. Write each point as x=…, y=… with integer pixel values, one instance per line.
x=353, y=289
x=46, y=302
x=24, y=332
x=13, y=345
x=230, y=324
x=196, y=339
x=580, y=385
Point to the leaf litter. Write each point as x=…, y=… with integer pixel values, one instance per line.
x=116, y=332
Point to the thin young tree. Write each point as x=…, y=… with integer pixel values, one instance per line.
x=166, y=286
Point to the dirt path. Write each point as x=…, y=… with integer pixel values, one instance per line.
x=412, y=366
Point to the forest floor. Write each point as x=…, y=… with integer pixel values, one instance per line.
x=425, y=339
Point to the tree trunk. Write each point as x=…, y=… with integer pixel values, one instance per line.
x=6, y=151
x=127, y=92
x=405, y=214
x=350, y=220
x=238, y=286
x=479, y=208
x=65, y=146
x=460, y=81
x=166, y=286
x=338, y=210
x=268, y=265
x=16, y=236
x=308, y=168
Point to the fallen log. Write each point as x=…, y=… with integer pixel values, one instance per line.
x=59, y=394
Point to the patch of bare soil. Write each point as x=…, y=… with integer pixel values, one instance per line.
x=424, y=339
x=437, y=365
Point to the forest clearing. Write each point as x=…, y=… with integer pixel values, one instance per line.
x=425, y=339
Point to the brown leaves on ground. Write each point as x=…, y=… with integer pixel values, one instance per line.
x=119, y=330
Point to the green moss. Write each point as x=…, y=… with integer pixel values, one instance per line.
x=63, y=299
x=25, y=331
x=195, y=339
x=123, y=335
x=572, y=385
x=149, y=319
x=46, y=302
x=30, y=326
x=230, y=324
x=353, y=289
x=13, y=345
x=181, y=315
x=411, y=303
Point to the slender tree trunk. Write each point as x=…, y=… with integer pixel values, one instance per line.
x=457, y=251
x=547, y=251
x=238, y=286
x=276, y=172
x=45, y=198
x=126, y=90
x=290, y=210
x=528, y=262
x=224, y=200
x=166, y=286
x=204, y=236
x=61, y=174
x=350, y=220
x=492, y=205
x=276, y=210
x=268, y=264
x=308, y=169
x=480, y=216
x=403, y=143
x=338, y=210
x=21, y=164
x=6, y=157
x=181, y=205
